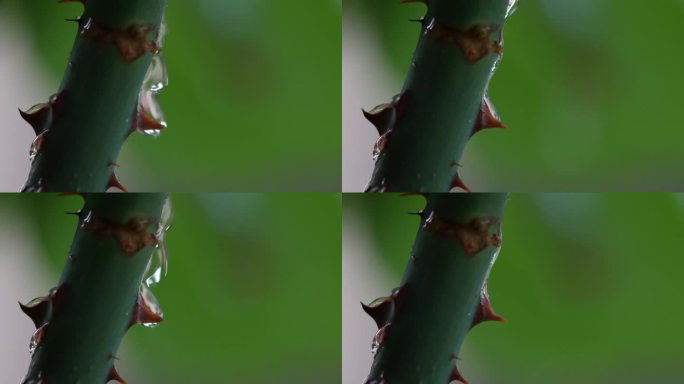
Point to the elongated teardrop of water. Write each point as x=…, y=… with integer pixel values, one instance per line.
x=152, y=303
x=512, y=6
x=159, y=262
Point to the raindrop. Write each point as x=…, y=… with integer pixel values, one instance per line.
x=37, y=338
x=512, y=6
x=379, y=338
x=151, y=302
x=156, y=79
x=158, y=264
x=380, y=145
x=36, y=146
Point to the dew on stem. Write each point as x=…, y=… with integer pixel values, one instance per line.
x=149, y=116
x=158, y=265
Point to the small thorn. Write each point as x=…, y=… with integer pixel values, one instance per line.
x=379, y=311
x=114, y=375
x=380, y=117
x=37, y=117
x=456, y=375
x=38, y=312
x=486, y=117
x=484, y=311
x=420, y=213
x=455, y=163
x=458, y=183
x=112, y=357
x=112, y=164
x=115, y=183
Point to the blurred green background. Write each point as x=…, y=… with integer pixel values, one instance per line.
x=253, y=102
x=590, y=285
x=590, y=92
x=252, y=294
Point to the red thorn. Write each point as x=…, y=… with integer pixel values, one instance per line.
x=458, y=183
x=115, y=183
x=114, y=375
x=486, y=117
x=143, y=121
x=456, y=375
x=484, y=311
x=38, y=312
x=420, y=213
x=143, y=314
x=379, y=311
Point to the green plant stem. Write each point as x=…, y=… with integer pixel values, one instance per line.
x=97, y=298
x=92, y=114
x=443, y=93
x=441, y=293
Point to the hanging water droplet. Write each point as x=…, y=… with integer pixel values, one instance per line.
x=37, y=338
x=36, y=146
x=379, y=338
x=158, y=264
x=87, y=25
x=380, y=145
x=512, y=6
x=86, y=219
x=149, y=117
x=151, y=302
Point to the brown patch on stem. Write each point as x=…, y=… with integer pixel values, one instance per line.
x=131, y=42
x=474, y=236
x=132, y=236
x=475, y=43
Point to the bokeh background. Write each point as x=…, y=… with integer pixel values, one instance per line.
x=590, y=285
x=253, y=102
x=252, y=293
x=590, y=92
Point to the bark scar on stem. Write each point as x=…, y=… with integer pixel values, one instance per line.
x=131, y=236
x=475, y=43
x=474, y=235
x=132, y=42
